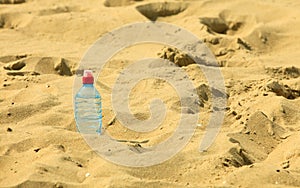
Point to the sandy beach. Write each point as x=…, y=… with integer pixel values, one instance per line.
x=256, y=45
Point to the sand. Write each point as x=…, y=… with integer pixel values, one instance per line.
x=256, y=43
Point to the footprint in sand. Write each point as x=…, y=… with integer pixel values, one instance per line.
x=259, y=138
x=10, y=58
x=17, y=65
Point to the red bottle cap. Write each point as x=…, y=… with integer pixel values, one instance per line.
x=87, y=77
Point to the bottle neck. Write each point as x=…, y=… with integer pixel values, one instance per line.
x=88, y=85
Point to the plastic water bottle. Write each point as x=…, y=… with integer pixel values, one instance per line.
x=88, y=107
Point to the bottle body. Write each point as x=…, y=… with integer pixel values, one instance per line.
x=88, y=110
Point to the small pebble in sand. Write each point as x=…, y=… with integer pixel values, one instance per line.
x=285, y=164
x=37, y=150
x=9, y=129
x=87, y=174
x=234, y=113
x=238, y=117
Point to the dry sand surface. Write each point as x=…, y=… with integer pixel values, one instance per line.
x=256, y=43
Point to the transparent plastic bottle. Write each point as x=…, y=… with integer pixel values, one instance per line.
x=88, y=106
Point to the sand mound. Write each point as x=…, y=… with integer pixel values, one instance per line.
x=14, y=20
x=228, y=23
x=38, y=65
x=11, y=1
x=175, y=56
x=161, y=9
x=284, y=72
x=283, y=90
x=220, y=26
x=116, y=3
